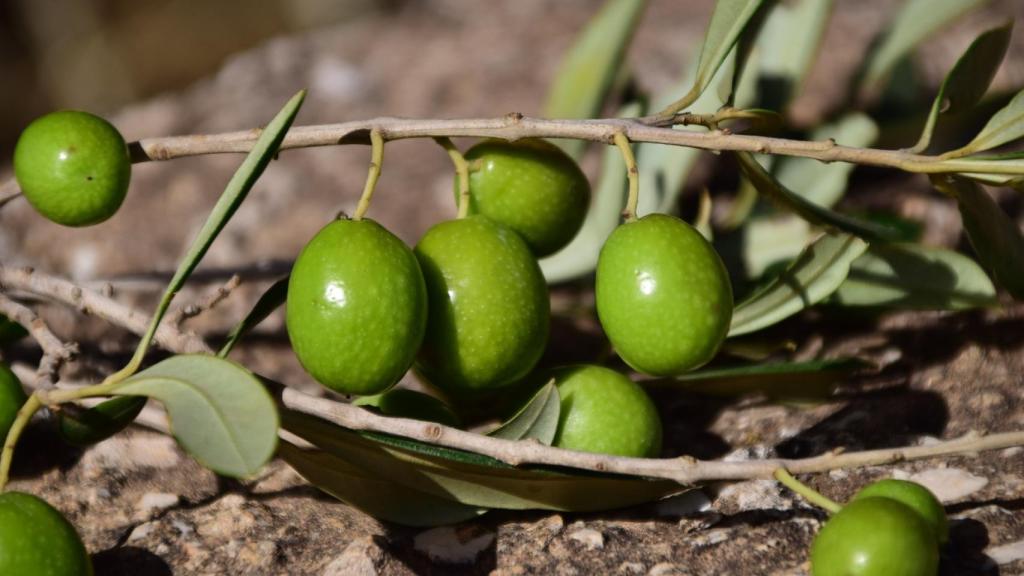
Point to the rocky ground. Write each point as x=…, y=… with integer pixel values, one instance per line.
x=144, y=507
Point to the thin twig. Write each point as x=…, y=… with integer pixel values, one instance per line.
x=55, y=351
x=684, y=470
x=632, y=173
x=211, y=300
x=461, y=173
x=372, y=175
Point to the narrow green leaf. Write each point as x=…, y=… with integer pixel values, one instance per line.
x=1005, y=126
x=969, y=79
x=996, y=239
x=814, y=379
x=767, y=185
x=378, y=497
x=815, y=274
x=824, y=184
x=270, y=300
x=472, y=481
x=96, y=424
x=219, y=411
x=238, y=187
x=537, y=419
x=916, y=20
x=728, y=21
x=916, y=277
x=605, y=213
x=591, y=65
x=789, y=45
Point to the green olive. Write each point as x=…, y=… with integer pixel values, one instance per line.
x=35, y=539
x=875, y=537
x=73, y=167
x=12, y=396
x=603, y=411
x=532, y=187
x=404, y=403
x=357, y=307
x=916, y=497
x=663, y=295
x=489, y=309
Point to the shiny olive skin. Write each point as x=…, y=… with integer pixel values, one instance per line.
x=357, y=307
x=604, y=411
x=916, y=497
x=663, y=295
x=12, y=397
x=73, y=167
x=404, y=403
x=875, y=537
x=489, y=310
x=530, y=186
x=36, y=540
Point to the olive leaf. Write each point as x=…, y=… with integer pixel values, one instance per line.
x=592, y=64
x=790, y=380
x=537, y=419
x=969, y=79
x=813, y=276
x=767, y=185
x=473, y=479
x=377, y=496
x=916, y=20
x=996, y=239
x=916, y=277
x=235, y=192
x=728, y=22
x=1006, y=125
x=268, y=302
x=605, y=213
x=219, y=411
x=788, y=45
x=84, y=427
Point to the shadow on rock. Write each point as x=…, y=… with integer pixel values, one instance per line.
x=125, y=560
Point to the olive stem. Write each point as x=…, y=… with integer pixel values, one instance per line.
x=461, y=173
x=808, y=493
x=29, y=408
x=622, y=141
x=373, y=174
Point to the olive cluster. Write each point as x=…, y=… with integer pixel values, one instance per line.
x=468, y=308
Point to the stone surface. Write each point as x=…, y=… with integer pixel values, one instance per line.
x=144, y=507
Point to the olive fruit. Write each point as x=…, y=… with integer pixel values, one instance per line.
x=530, y=186
x=663, y=295
x=12, y=396
x=357, y=307
x=36, y=539
x=916, y=497
x=404, y=403
x=875, y=537
x=488, y=305
x=604, y=411
x=73, y=167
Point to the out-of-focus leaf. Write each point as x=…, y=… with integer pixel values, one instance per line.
x=916, y=20
x=821, y=183
x=591, y=65
x=791, y=380
x=10, y=331
x=816, y=274
x=728, y=21
x=472, y=479
x=605, y=213
x=405, y=403
x=997, y=240
x=789, y=44
x=378, y=497
x=763, y=243
x=269, y=301
x=1005, y=126
x=969, y=79
x=96, y=424
x=537, y=419
x=768, y=186
x=916, y=277
x=219, y=411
